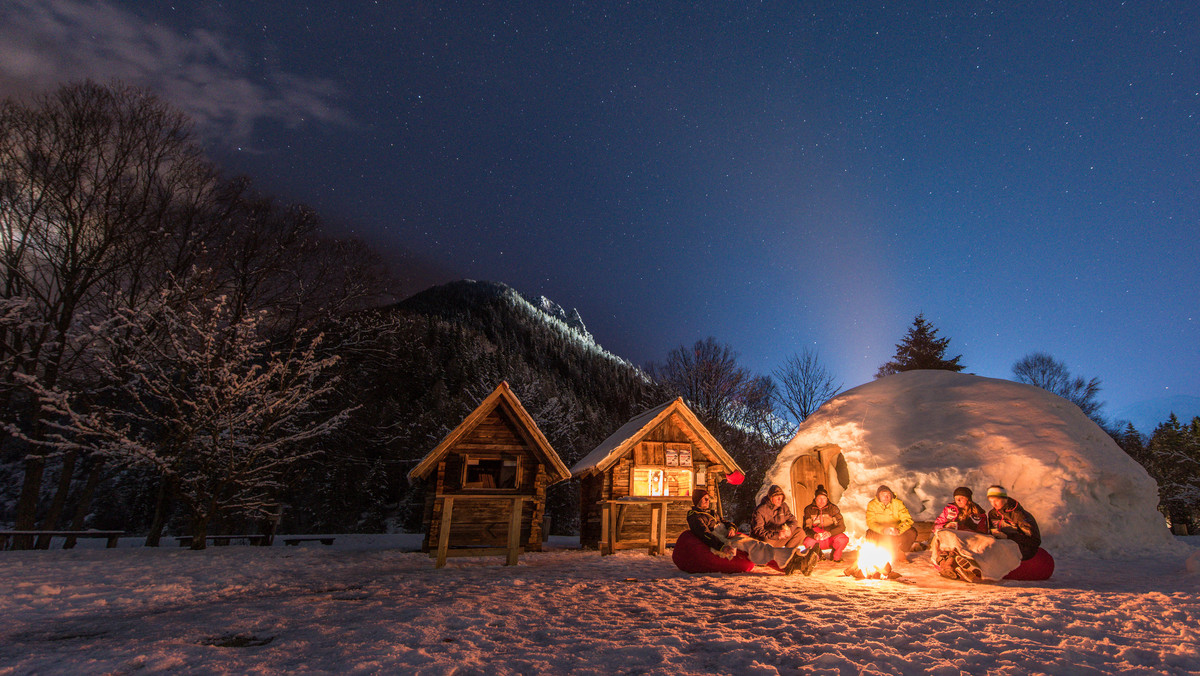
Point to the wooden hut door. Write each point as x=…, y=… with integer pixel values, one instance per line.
x=806, y=476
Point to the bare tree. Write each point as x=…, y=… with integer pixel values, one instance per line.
x=709, y=378
x=805, y=384
x=1044, y=371
x=87, y=176
x=205, y=400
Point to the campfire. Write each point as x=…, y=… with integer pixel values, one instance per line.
x=874, y=563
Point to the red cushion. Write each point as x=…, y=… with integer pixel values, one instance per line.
x=1039, y=567
x=693, y=556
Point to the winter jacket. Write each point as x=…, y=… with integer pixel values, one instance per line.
x=1017, y=525
x=702, y=522
x=972, y=519
x=828, y=520
x=892, y=515
x=768, y=520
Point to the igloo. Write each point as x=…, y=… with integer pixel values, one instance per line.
x=923, y=433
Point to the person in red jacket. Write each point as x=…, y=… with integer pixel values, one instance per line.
x=824, y=526
x=962, y=514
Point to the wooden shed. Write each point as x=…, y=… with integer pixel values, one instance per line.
x=651, y=463
x=488, y=479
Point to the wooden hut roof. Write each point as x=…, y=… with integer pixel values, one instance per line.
x=501, y=396
x=621, y=441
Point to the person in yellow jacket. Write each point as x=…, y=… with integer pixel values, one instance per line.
x=889, y=525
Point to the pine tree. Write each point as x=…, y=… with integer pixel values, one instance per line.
x=1173, y=459
x=920, y=349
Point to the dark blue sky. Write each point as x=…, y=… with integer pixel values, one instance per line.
x=776, y=175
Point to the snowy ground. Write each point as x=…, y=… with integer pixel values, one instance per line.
x=368, y=606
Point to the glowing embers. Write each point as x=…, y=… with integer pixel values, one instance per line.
x=873, y=563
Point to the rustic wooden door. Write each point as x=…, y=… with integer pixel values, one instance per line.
x=806, y=476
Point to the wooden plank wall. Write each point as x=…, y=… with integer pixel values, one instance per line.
x=483, y=522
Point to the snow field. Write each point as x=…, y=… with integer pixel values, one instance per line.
x=362, y=607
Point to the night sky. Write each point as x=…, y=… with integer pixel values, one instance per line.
x=1025, y=174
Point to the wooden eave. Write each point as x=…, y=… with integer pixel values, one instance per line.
x=526, y=427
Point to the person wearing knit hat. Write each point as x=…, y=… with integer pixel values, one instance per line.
x=774, y=522
x=824, y=527
x=889, y=525
x=963, y=513
x=961, y=516
x=1009, y=520
x=962, y=552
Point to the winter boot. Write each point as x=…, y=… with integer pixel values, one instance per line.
x=795, y=563
x=810, y=561
x=967, y=569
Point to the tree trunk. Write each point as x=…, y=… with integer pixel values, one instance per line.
x=199, y=530
x=50, y=521
x=26, y=518
x=85, y=499
x=162, y=509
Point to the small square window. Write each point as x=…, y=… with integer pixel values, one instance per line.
x=491, y=473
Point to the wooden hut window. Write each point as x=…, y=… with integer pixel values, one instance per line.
x=662, y=469
x=661, y=481
x=492, y=473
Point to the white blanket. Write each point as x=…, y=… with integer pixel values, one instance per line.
x=759, y=552
x=995, y=557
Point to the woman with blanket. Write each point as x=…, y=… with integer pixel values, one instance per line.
x=1013, y=537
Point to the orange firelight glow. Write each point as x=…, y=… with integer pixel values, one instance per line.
x=872, y=559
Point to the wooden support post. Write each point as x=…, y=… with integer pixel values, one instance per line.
x=514, y=531
x=606, y=510
x=658, y=527
x=444, y=533
x=655, y=509
x=662, y=531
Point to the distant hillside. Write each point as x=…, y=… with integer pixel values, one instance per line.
x=418, y=367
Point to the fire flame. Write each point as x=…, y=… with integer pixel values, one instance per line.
x=873, y=559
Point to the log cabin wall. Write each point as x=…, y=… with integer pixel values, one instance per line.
x=495, y=442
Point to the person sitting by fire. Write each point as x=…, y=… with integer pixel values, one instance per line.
x=724, y=539
x=1013, y=537
x=824, y=526
x=962, y=514
x=889, y=525
x=774, y=523
x=1007, y=519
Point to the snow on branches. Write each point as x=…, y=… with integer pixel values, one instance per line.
x=199, y=394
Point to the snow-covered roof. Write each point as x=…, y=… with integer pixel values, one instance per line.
x=923, y=433
x=502, y=395
x=621, y=441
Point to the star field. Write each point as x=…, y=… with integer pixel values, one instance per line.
x=774, y=176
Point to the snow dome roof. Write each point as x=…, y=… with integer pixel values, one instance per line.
x=923, y=433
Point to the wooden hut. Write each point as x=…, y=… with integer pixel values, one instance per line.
x=488, y=479
x=636, y=486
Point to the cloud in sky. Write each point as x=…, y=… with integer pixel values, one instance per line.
x=45, y=43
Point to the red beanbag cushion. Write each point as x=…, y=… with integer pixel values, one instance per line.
x=1039, y=567
x=693, y=556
